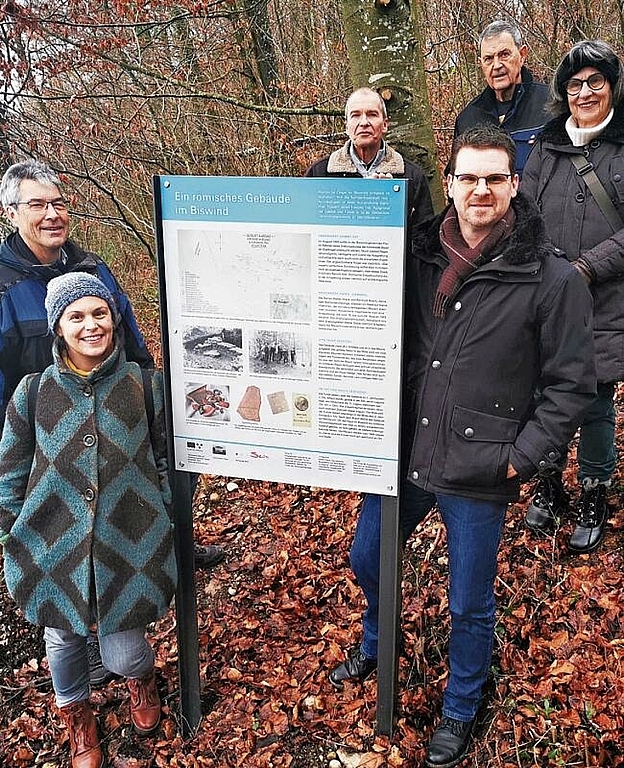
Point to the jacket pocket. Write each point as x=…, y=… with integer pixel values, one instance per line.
x=479, y=446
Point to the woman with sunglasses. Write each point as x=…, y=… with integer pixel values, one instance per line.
x=576, y=175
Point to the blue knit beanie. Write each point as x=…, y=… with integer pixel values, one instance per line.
x=64, y=290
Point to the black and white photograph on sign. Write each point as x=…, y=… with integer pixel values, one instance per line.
x=213, y=349
x=207, y=401
x=252, y=275
x=284, y=354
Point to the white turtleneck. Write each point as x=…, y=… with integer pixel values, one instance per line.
x=582, y=136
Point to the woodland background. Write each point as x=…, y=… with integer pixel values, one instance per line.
x=111, y=92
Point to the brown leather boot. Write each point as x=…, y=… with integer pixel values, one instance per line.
x=144, y=703
x=84, y=744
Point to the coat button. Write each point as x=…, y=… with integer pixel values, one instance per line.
x=579, y=197
x=424, y=421
x=457, y=306
x=542, y=463
x=436, y=364
x=89, y=494
x=415, y=475
x=469, y=432
x=552, y=455
x=89, y=440
x=87, y=390
x=617, y=177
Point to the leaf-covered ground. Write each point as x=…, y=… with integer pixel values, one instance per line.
x=281, y=610
x=278, y=613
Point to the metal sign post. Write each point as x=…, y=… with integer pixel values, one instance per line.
x=389, y=614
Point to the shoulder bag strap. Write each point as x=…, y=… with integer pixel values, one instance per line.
x=585, y=170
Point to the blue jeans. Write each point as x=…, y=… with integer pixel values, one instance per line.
x=473, y=530
x=125, y=653
x=596, y=451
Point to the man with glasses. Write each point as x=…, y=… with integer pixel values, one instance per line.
x=493, y=316
x=512, y=99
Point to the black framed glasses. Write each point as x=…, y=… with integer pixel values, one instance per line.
x=595, y=82
x=36, y=205
x=471, y=180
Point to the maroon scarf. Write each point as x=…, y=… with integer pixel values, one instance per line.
x=462, y=259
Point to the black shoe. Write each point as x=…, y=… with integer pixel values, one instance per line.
x=207, y=557
x=449, y=743
x=592, y=518
x=549, y=504
x=98, y=674
x=356, y=667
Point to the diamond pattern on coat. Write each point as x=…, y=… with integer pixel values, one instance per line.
x=67, y=461
x=113, y=461
x=142, y=607
x=70, y=571
x=52, y=519
x=133, y=527
x=19, y=450
x=50, y=392
x=126, y=391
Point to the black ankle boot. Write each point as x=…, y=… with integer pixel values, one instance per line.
x=550, y=503
x=592, y=517
x=449, y=743
x=356, y=667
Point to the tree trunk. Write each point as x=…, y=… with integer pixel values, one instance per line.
x=385, y=53
x=258, y=15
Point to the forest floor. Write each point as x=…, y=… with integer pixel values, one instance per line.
x=283, y=607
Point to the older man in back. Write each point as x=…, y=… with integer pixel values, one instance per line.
x=366, y=154
x=512, y=99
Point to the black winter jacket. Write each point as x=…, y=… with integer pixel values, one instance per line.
x=575, y=223
x=339, y=164
x=524, y=119
x=519, y=325
x=25, y=343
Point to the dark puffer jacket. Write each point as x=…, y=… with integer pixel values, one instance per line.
x=575, y=223
x=524, y=119
x=25, y=343
x=520, y=324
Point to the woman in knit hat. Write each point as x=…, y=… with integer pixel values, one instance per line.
x=84, y=497
x=575, y=173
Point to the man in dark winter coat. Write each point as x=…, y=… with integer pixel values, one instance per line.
x=30, y=257
x=512, y=99
x=365, y=154
x=492, y=317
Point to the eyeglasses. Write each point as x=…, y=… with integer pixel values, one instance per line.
x=39, y=206
x=595, y=82
x=471, y=180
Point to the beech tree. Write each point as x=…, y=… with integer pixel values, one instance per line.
x=385, y=52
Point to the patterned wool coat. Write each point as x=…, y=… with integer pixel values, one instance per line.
x=84, y=498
